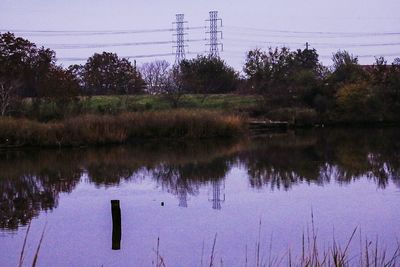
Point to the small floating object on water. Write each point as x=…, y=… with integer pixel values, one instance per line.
x=162, y=203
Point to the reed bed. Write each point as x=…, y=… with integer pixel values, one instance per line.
x=308, y=253
x=92, y=129
x=370, y=254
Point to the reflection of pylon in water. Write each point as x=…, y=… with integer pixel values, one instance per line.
x=218, y=196
x=182, y=196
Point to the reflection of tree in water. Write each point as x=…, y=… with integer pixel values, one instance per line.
x=369, y=154
x=110, y=166
x=28, y=187
x=281, y=162
x=180, y=168
x=186, y=179
x=285, y=160
x=31, y=181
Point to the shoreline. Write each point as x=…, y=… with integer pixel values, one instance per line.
x=90, y=130
x=94, y=130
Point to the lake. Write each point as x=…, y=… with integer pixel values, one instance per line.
x=238, y=201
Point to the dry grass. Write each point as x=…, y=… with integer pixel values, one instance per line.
x=36, y=256
x=106, y=129
x=370, y=254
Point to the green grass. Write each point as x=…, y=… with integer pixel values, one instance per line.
x=229, y=102
x=120, y=103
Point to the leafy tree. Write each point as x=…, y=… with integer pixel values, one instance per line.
x=207, y=75
x=21, y=60
x=283, y=77
x=25, y=71
x=107, y=74
x=384, y=80
x=256, y=68
x=77, y=72
x=15, y=57
x=346, y=69
x=355, y=99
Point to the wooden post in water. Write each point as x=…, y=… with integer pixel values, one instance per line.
x=116, y=219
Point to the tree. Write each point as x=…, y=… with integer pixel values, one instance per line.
x=21, y=60
x=384, y=80
x=28, y=71
x=15, y=58
x=345, y=69
x=23, y=69
x=173, y=89
x=355, y=99
x=283, y=77
x=77, y=72
x=107, y=74
x=161, y=79
x=156, y=75
x=256, y=68
x=207, y=75
x=7, y=95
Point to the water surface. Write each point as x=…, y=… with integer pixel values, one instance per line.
x=345, y=178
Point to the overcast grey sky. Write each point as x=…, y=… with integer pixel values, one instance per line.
x=366, y=28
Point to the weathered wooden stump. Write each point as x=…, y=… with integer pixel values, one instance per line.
x=116, y=230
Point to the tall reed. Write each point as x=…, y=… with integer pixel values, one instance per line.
x=92, y=129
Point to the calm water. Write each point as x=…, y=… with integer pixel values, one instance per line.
x=347, y=179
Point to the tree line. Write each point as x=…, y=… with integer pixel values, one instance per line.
x=293, y=84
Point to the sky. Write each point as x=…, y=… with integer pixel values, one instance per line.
x=76, y=29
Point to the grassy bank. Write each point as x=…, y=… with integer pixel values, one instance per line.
x=116, y=129
x=252, y=106
x=46, y=109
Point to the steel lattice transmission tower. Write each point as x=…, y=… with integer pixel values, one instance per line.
x=214, y=34
x=180, y=38
x=218, y=195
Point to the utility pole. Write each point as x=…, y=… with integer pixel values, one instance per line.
x=180, y=38
x=214, y=34
x=307, y=45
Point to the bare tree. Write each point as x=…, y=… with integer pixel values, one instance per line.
x=156, y=75
x=7, y=95
x=173, y=88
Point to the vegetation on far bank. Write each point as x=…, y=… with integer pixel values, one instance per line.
x=276, y=84
x=93, y=129
x=47, y=110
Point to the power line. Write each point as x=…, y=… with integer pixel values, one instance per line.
x=127, y=57
x=330, y=45
x=214, y=37
x=99, y=45
x=50, y=33
x=330, y=56
x=312, y=32
x=259, y=41
x=327, y=45
x=193, y=28
x=270, y=34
